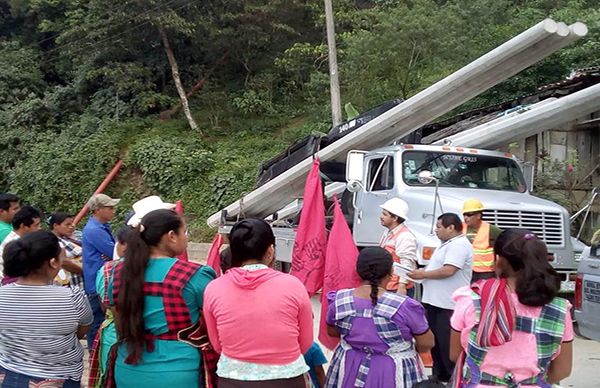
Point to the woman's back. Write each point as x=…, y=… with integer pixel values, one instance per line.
x=408, y=319
x=261, y=316
x=520, y=355
x=38, y=326
x=168, y=354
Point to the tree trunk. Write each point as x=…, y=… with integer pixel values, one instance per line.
x=176, y=79
x=167, y=114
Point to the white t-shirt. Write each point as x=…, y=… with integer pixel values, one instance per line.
x=38, y=326
x=457, y=252
x=12, y=236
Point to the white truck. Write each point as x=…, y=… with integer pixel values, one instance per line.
x=436, y=178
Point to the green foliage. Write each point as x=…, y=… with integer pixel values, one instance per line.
x=60, y=171
x=20, y=75
x=252, y=102
x=84, y=83
x=169, y=164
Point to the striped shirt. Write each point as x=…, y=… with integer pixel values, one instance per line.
x=38, y=326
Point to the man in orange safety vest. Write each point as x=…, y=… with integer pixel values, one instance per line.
x=399, y=241
x=482, y=236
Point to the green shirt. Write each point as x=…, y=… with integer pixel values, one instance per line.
x=494, y=233
x=5, y=229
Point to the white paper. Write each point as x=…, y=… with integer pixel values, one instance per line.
x=401, y=270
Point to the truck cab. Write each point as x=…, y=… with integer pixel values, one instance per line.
x=438, y=179
x=587, y=294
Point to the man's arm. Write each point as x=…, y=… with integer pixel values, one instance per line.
x=406, y=250
x=102, y=240
x=446, y=271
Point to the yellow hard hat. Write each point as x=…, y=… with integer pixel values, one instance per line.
x=472, y=205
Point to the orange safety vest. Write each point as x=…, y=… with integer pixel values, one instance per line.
x=389, y=244
x=483, y=253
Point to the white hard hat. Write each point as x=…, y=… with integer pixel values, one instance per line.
x=145, y=206
x=397, y=207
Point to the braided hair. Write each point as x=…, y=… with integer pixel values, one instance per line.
x=374, y=264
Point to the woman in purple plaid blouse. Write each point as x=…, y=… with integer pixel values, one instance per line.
x=381, y=331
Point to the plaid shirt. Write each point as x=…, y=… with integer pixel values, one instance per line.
x=72, y=250
x=401, y=351
x=177, y=313
x=548, y=329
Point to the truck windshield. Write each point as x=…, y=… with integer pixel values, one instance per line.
x=463, y=170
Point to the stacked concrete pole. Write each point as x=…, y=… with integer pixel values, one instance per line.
x=553, y=114
x=492, y=68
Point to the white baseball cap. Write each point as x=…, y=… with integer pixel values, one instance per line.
x=397, y=207
x=145, y=206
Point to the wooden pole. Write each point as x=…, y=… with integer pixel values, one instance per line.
x=334, y=83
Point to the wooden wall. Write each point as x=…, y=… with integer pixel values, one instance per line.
x=581, y=136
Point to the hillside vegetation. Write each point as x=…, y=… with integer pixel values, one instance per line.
x=84, y=83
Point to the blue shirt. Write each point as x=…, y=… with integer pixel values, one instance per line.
x=98, y=244
x=313, y=358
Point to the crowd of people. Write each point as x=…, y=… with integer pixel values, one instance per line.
x=489, y=312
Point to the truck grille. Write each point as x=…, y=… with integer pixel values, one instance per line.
x=547, y=226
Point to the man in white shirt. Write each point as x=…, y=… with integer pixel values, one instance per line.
x=26, y=220
x=399, y=241
x=449, y=269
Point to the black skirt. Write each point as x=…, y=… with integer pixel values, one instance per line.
x=302, y=381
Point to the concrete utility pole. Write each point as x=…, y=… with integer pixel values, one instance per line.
x=334, y=83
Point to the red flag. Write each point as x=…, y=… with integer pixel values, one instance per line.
x=308, y=256
x=340, y=267
x=214, y=257
x=179, y=210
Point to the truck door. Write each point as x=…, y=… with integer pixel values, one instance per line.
x=378, y=188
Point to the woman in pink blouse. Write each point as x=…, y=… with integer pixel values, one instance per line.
x=513, y=331
x=259, y=319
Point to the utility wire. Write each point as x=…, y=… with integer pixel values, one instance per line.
x=122, y=23
x=111, y=10
x=111, y=37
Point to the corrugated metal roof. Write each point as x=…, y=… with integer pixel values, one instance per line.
x=578, y=80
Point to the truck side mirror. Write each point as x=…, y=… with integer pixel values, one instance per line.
x=426, y=177
x=355, y=170
x=528, y=174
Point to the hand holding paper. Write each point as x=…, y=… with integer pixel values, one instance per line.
x=404, y=271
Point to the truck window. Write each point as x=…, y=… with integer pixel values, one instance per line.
x=381, y=174
x=464, y=170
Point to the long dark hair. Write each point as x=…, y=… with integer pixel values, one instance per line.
x=537, y=282
x=249, y=239
x=372, y=265
x=26, y=255
x=130, y=302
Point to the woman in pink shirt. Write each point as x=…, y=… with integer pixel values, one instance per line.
x=259, y=319
x=513, y=331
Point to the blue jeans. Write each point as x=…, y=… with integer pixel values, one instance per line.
x=19, y=380
x=94, y=300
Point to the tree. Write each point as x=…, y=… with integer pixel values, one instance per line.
x=177, y=79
